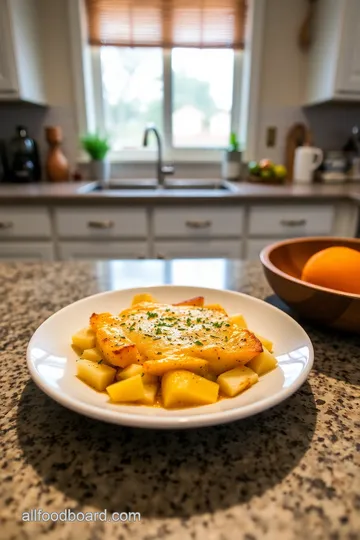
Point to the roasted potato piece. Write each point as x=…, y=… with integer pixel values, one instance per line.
x=84, y=339
x=99, y=376
x=263, y=362
x=216, y=307
x=111, y=341
x=197, y=301
x=130, y=371
x=239, y=320
x=150, y=391
x=131, y=389
x=135, y=369
x=91, y=354
x=161, y=366
x=266, y=342
x=182, y=388
x=142, y=297
x=236, y=380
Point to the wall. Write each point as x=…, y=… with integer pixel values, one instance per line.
x=283, y=73
x=283, y=77
x=56, y=58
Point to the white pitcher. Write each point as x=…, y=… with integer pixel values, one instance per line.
x=307, y=159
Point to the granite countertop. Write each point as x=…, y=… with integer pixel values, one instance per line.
x=78, y=192
x=289, y=473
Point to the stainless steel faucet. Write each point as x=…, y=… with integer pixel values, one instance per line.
x=162, y=170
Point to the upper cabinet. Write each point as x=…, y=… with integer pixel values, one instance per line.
x=21, y=73
x=334, y=58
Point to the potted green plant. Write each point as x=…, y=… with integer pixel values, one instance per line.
x=97, y=147
x=231, y=164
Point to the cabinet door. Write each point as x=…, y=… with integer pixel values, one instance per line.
x=198, y=249
x=254, y=247
x=102, y=250
x=26, y=251
x=348, y=73
x=8, y=80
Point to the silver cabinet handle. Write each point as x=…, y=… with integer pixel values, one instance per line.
x=293, y=222
x=198, y=224
x=101, y=224
x=4, y=225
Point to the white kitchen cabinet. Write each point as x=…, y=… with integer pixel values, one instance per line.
x=334, y=57
x=190, y=222
x=21, y=73
x=101, y=223
x=88, y=250
x=24, y=222
x=198, y=249
x=26, y=251
x=255, y=246
x=287, y=221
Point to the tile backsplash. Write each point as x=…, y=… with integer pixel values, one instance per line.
x=330, y=126
x=36, y=119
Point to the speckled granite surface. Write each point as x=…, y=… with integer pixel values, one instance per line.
x=289, y=473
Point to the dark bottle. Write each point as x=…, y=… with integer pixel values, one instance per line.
x=24, y=163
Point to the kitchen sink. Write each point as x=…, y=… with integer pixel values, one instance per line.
x=151, y=185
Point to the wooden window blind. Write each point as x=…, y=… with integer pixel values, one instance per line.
x=167, y=23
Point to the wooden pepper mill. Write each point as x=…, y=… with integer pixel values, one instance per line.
x=57, y=166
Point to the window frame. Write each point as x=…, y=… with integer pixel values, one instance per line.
x=246, y=91
x=171, y=153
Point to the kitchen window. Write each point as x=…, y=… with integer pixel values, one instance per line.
x=179, y=64
x=188, y=93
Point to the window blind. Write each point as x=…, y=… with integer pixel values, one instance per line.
x=167, y=23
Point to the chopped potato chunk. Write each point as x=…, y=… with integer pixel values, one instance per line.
x=236, y=380
x=91, y=354
x=147, y=378
x=266, y=342
x=263, y=362
x=142, y=297
x=150, y=391
x=84, y=339
x=99, y=376
x=161, y=366
x=182, y=388
x=131, y=389
x=130, y=371
x=215, y=307
x=239, y=320
x=196, y=301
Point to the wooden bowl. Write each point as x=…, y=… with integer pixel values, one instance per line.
x=283, y=263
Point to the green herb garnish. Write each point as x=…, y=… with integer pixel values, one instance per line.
x=198, y=343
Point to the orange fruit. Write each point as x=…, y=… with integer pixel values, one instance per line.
x=335, y=268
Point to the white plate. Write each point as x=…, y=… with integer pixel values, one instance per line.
x=52, y=362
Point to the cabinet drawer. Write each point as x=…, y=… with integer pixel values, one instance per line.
x=26, y=251
x=23, y=222
x=288, y=221
x=198, y=222
x=198, y=249
x=87, y=250
x=254, y=247
x=101, y=222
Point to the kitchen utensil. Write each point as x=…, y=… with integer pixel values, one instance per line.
x=52, y=362
x=24, y=162
x=298, y=135
x=305, y=33
x=307, y=159
x=57, y=166
x=283, y=263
